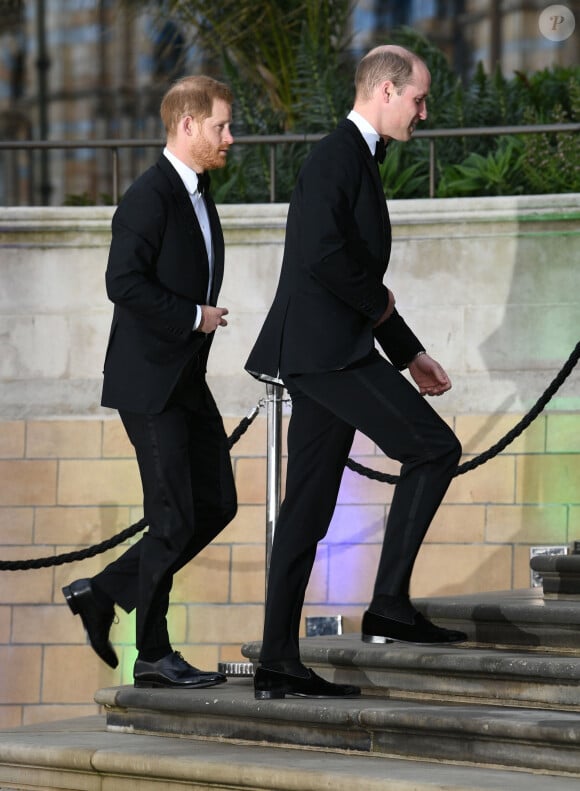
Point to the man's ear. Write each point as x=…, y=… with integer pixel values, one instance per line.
x=186, y=124
x=387, y=89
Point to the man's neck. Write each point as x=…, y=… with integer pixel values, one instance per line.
x=183, y=156
x=365, y=112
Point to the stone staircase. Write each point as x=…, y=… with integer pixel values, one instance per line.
x=494, y=735
x=500, y=712
x=510, y=697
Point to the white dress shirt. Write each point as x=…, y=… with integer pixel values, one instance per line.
x=369, y=133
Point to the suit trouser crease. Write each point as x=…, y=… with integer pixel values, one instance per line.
x=376, y=399
x=188, y=498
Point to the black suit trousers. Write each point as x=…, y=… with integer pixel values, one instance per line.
x=188, y=498
x=375, y=398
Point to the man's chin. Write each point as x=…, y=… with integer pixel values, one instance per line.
x=402, y=137
x=216, y=164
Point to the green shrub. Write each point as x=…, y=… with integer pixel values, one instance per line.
x=497, y=173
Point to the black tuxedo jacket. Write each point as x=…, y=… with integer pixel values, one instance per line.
x=336, y=253
x=156, y=275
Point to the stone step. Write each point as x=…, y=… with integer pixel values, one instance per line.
x=528, y=739
x=520, y=618
x=560, y=574
x=524, y=618
x=461, y=673
x=81, y=755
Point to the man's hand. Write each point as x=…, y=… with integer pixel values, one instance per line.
x=388, y=311
x=429, y=376
x=212, y=318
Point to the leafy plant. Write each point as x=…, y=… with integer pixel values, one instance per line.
x=551, y=162
x=404, y=173
x=494, y=174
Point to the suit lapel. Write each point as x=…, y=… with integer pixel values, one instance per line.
x=193, y=228
x=372, y=168
x=184, y=205
x=369, y=162
x=218, y=248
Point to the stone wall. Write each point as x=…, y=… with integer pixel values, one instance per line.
x=491, y=285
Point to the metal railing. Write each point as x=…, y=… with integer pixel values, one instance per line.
x=114, y=146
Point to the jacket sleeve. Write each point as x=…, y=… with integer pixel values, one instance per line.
x=397, y=340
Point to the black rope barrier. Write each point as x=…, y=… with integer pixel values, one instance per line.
x=69, y=557
x=129, y=532
x=246, y=422
x=548, y=393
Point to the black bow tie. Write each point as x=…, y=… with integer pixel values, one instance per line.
x=203, y=182
x=380, y=151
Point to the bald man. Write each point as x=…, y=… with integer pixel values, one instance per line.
x=330, y=307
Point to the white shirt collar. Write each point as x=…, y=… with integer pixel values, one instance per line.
x=369, y=133
x=187, y=175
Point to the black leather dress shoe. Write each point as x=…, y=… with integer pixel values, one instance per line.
x=173, y=671
x=378, y=629
x=271, y=684
x=96, y=619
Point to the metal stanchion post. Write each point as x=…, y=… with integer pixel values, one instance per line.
x=274, y=397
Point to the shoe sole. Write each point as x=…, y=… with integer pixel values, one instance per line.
x=162, y=685
x=267, y=695
x=379, y=639
x=376, y=638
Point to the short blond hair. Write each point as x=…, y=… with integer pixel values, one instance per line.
x=388, y=62
x=192, y=96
